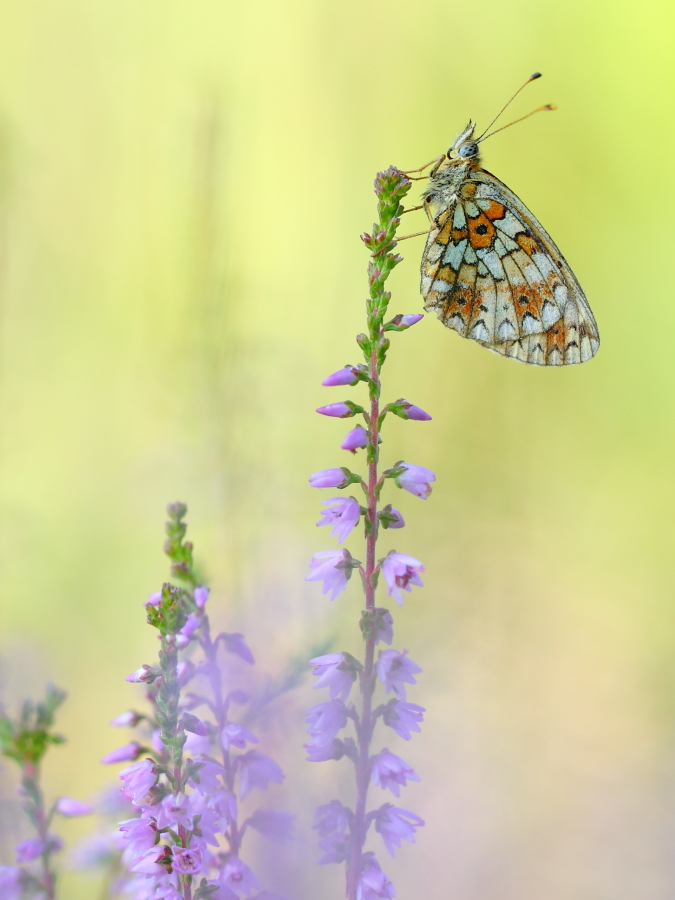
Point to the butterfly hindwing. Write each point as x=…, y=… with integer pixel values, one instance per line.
x=493, y=274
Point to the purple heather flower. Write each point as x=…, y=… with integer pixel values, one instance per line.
x=396, y=824
x=334, y=849
x=29, y=849
x=403, y=717
x=67, y=806
x=348, y=375
x=355, y=439
x=123, y=754
x=335, y=672
x=400, y=571
x=416, y=480
x=194, y=725
x=196, y=744
x=343, y=515
x=390, y=771
x=139, y=834
x=175, y=808
x=237, y=876
x=331, y=818
x=145, y=675
x=206, y=774
x=327, y=478
x=337, y=410
x=273, y=823
x=325, y=720
x=384, y=625
x=154, y=599
x=373, y=883
x=191, y=625
x=235, y=643
x=184, y=671
x=187, y=860
x=325, y=566
x=201, y=595
x=391, y=517
x=237, y=736
x=138, y=778
x=10, y=883
x=395, y=670
x=151, y=861
x=324, y=752
x=127, y=719
x=257, y=770
x=410, y=411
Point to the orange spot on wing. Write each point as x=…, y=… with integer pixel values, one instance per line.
x=459, y=234
x=444, y=233
x=481, y=231
x=495, y=211
x=528, y=244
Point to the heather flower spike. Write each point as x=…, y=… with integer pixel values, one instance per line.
x=342, y=830
x=185, y=840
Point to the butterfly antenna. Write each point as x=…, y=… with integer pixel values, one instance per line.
x=532, y=77
x=550, y=106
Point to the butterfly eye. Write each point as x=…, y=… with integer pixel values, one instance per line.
x=466, y=151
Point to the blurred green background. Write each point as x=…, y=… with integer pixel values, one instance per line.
x=182, y=186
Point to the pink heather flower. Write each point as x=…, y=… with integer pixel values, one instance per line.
x=337, y=410
x=257, y=770
x=191, y=625
x=138, y=778
x=154, y=599
x=410, y=411
x=273, y=823
x=396, y=824
x=139, y=835
x=390, y=771
x=67, y=806
x=175, y=808
x=123, y=754
x=348, y=375
x=237, y=736
x=201, y=595
x=373, y=884
x=407, y=321
x=197, y=743
x=355, y=439
x=187, y=860
x=325, y=720
x=400, y=571
x=391, y=517
x=334, y=672
x=235, y=643
x=185, y=670
x=145, y=675
x=403, y=717
x=343, y=515
x=324, y=567
x=156, y=740
x=151, y=862
x=327, y=478
x=331, y=818
x=127, y=719
x=334, y=849
x=395, y=670
x=416, y=480
x=10, y=883
x=238, y=877
x=206, y=775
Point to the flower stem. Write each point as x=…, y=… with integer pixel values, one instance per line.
x=390, y=187
x=30, y=785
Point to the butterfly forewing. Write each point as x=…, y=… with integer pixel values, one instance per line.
x=494, y=275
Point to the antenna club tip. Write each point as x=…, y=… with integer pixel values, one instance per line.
x=551, y=106
x=535, y=75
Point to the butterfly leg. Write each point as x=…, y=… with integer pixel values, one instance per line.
x=412, y=209
x=417, y=234
x=436, y=162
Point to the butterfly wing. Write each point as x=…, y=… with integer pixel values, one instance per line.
x=493, y=274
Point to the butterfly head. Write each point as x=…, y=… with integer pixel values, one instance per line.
x=464, y=145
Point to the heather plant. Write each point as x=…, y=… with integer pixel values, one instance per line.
x=185, y=784
x=343, y=829
x=26, y=739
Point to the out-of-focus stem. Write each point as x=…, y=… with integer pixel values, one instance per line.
x=31, y=788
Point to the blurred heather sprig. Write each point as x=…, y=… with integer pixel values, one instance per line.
x=26, y=739
x=342, y=830
x=185, y=840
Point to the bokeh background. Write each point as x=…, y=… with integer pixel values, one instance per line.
x=182, y=186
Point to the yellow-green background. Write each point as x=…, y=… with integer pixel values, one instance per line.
x=182, y=189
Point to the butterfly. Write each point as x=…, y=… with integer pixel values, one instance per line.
x=492, y=272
